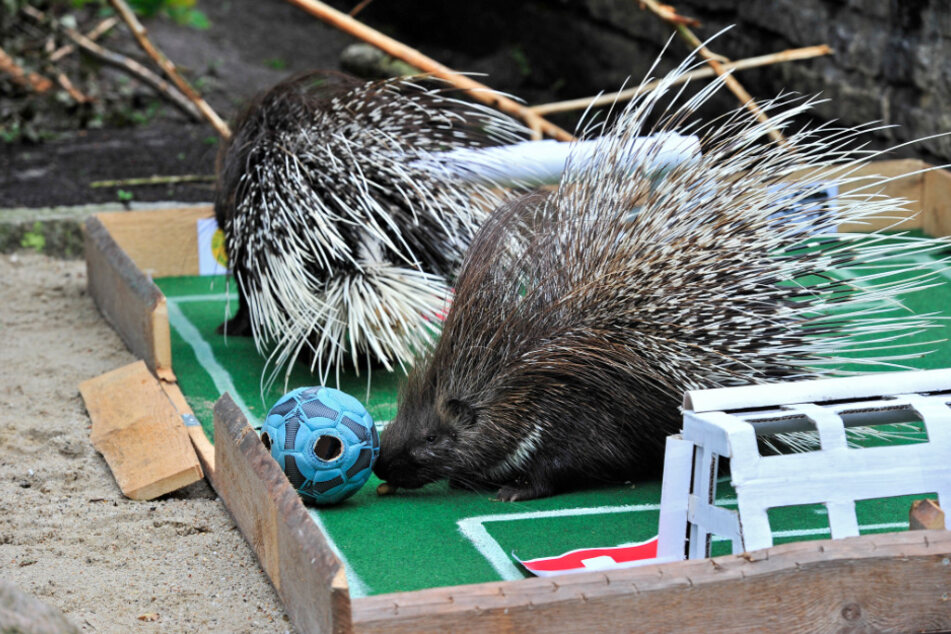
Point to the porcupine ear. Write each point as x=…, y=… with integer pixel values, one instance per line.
x=462, y=413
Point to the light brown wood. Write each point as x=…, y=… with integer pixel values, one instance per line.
x=411, y=56
x=127, y=298
x=141, y=35
x=788, y=55
x=888, y=582
x=269, y=512
x=716, y=62
x=203, y=447
x=161, y=242
x=139, y=432
x=925, y=515
x=936, y=203
x=27, y=79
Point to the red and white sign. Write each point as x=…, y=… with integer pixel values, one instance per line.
x=589, y=559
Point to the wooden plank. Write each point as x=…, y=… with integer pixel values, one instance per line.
x=175, y=253
x=203, y=447
x=270, y=514
x=128, y=299
x=937, y=203
x=925, y=515
x=139, y=432
x=888, y=582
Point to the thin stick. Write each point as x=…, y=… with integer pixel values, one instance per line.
x=25, y=78
x=789, y=55
x=74, y=92
x=166, y=65
x=136, y=69
x=396, y=49
x=93, y=35
x=680, y=24
x=155, y=180
x=360, y=7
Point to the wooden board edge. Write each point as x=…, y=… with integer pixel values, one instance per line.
x=203, y=447
x=176, y=254
x=292, y=550
x=125, y=296
x=137, y=431
x=805, y=586
x=905, y=180
x=937, y=203
x=162, y=339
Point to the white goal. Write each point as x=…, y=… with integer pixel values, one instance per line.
x=735, y=423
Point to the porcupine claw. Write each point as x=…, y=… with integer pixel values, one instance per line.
x=524, y=490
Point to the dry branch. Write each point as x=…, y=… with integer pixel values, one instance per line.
x=74, y=92
x=137, y=70
x=169, y=68
x=715, y=61
x=624, y=95
x=155, y=180
x=93, y=35
x=25, y=78
x=478, y=91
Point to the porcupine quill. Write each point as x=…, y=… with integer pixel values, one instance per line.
x=347, y=207
x=580, y=317
x=340, y=233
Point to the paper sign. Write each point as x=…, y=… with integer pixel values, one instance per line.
x=589, y=559
x=212, y=259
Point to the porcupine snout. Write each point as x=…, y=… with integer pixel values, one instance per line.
x=402, y=468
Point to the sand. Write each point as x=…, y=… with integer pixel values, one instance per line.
x=67, y=534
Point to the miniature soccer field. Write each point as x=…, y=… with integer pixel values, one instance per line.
x=436, y=536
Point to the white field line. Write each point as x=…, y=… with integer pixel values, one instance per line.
x=357, y=587
x=206, y=357
x=223, y=383
x=941, y=269
x=473, y=528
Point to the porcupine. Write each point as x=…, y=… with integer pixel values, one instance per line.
x=340, y=233
x=581, y=317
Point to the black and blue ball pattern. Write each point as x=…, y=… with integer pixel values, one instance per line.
x=324, y=440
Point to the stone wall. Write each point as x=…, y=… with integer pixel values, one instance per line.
x=892, y=60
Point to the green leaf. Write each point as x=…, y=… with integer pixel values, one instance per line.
x=34, y=239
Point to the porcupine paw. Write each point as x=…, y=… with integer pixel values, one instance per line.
x=524, y=490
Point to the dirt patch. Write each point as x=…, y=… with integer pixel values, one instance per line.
x=67, y=534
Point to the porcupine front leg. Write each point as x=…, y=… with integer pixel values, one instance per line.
x=240, y=324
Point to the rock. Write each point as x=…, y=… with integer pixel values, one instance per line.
x=20, y=612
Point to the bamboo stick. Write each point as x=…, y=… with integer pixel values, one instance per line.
x=169, y=68
x=478, y=91
x=715, y=62
x=155, y=180
x=93, y=35
x=789, y=55
x=25, y=78
x=137, y=70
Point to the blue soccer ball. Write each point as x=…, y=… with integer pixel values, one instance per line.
x=324, y=440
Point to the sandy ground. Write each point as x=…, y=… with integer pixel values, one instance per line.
x=67, y=534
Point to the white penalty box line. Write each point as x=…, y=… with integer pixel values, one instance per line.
x=473, y=529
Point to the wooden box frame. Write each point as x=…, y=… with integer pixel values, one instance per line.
x=892, y=581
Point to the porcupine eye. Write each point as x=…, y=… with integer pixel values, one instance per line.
x=431, y=438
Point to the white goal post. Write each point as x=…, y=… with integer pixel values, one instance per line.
x=733, y=422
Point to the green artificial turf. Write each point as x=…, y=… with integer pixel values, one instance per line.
x=436, y=536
